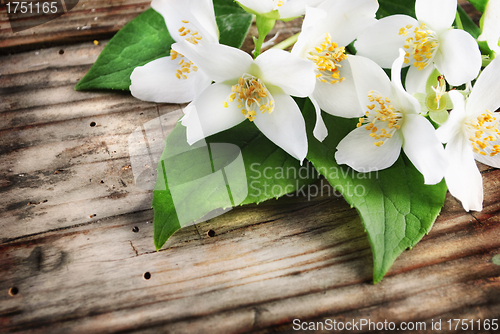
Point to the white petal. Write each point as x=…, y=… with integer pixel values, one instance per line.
x=156, y=82
x=260, y=7
x=219, y=62
x=437, y=14
x=462, y=177
x=405, y=102
x=282, y=69
x=207, y=115
x=198, y=13
x=416, y=80
x=320, y=131
x=339, y=99
x=423, y=148
x=485, y=94
x=358, y=151
x=310, y=36
x=369, y=76
x=343, y=20
x=348, y=19
x=382, y=41
x=491, y=25
x=455, y=121
x=292, y=8
x=285, y=126
x=488, y=160
x=458, y=57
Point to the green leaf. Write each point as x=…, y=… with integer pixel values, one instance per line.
x=391, y=7
x=395, y=206
x=468, y=24
x=146, y=38
x=235, y=167
x=480, y=5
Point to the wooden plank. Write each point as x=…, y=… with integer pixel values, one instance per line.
x=276, y=262
x=66, y=154
x=89, y=20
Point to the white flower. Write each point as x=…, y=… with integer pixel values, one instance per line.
x=491, y=25
x=258, y=90
x=428, y=41
x=325, y=33
x=472, y=133
x=391, y=121
x=175, y=79
x=276, y=9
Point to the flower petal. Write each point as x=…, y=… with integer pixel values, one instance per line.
x=156, y=82
x=369, y=76
x=348, y=19
x=282, y=69
x=489, y=160
x=406, y=102
x=416, y=80
x=292, y=8
x=462, y=177
x=260, y=7
x=382, y=41
x=458, y=57
x=207, y=115
x=423, y=148
x=453, y=125
x=484, y=94
x=199, y=15
x=438, y=15
x=309, y=36
x=219, y=62
x=285, y=126
x=358, y=151
x=339, y=99
x=320, y=131
x=491, y=25
x=343, y=20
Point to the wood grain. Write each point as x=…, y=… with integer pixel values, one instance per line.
x=76, y=228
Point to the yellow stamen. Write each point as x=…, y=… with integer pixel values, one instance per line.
x=483, y=131
x=327, y=56
x=381, y=119
x=421, y=46
x=251, y=95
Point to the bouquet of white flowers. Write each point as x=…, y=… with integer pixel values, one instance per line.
x=262, y=125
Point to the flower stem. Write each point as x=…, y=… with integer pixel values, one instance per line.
x=287, y=42
x=264, y=26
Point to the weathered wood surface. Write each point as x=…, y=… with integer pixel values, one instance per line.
x=76, y=249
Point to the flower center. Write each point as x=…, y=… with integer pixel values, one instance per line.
x=327, y=57
x=381, y=119
x=185, y=66
x=189, y=35
x=483, y=131
x=421, y=45
x=438, y=100
x=252, y=95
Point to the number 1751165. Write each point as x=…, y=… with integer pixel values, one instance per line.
x=24, y=7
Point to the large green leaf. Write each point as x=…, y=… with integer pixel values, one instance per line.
x=395, y=206
x=235, y=167
x=146, y=38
